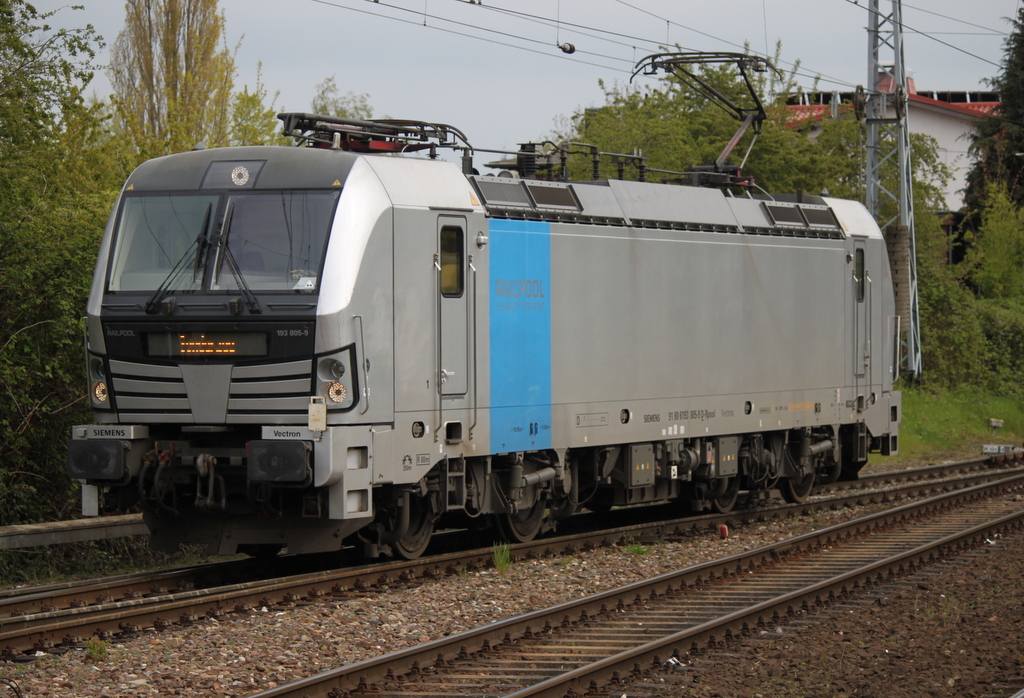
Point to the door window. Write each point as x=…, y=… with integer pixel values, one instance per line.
x=452, y=265
x=858, y=273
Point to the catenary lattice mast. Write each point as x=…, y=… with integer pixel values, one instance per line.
x=888, y=143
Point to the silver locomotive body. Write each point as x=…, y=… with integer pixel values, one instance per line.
x=297, y=347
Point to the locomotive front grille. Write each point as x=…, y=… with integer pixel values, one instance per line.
x=143, y=391
x=274, y=393
x=270, y=391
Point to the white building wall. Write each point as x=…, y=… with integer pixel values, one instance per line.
x=952, y=132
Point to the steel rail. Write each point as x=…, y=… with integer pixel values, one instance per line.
x=738, y=623
x=68, y=595
x=366, y=676
x=52, y=599
x=72, y=531
x=106, y=527
x=141, y=607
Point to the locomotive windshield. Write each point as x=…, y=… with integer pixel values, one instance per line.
x=180, y=242
x=157, y=232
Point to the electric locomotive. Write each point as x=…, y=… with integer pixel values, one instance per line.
x=348, y=342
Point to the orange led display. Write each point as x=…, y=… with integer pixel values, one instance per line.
x=209, y=344
x=202, y=345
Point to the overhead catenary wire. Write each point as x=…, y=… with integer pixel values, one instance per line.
x=424, y=15
x=821, y=76
x=744, y=47
x=618, y=64
x=954, y=19
x=657, y=46
x=602, y=34
x=927, y=35
x=619, y=38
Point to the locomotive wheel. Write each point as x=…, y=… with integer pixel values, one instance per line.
x=524, y=525
x=724, y=495
x=796, y=491
x=421, y=528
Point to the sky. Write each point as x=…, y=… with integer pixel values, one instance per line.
x=494, y=69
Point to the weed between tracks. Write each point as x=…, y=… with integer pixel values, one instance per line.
x=502, y=558
x=96, y=650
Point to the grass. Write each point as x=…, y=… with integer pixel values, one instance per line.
x=45, y=564
x=940, y=426
x=502, y=557
x=96, y=650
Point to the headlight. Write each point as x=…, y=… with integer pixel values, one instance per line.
x=97, y=385
x=334, y=379
x=99, y=392
x=336, y=392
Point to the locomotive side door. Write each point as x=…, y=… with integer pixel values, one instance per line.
x=861, y=281
x=452, y=304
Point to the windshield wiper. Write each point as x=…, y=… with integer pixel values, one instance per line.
x=222, y=241
x=196, y=249
x=250, y=300
x=202, y=244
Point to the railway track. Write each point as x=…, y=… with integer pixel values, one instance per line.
x=597, y=645
x=58, y=532
x=55, y=618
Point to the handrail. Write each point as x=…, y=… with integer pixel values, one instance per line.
x=363, y=366
x=437, y=346
x=473, y=340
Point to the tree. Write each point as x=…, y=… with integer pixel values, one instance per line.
x=999, y=137
x=58, y=185
x=657, y=122
x=172, y=76
x=252, y=121
x=330, y=102
x=997, y=256
x=675, y=128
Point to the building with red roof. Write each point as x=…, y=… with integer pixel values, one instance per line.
x=945, y=116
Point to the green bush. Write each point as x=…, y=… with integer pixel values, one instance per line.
x=1002, y=326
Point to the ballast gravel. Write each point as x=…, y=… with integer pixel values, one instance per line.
x=241, y=655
